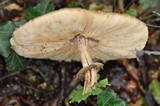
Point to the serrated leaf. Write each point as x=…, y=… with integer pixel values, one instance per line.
x=6, y=31
x=76, y=95
x=109, y=98
x=95, y=91
x=154, y=88
x=14, y=62
x=132, y=12
x=41, y=8
x=103, y=83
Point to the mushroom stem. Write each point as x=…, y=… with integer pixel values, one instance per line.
x=89, y=70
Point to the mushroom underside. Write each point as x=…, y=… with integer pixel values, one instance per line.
x=90, y=69
x=81, y=35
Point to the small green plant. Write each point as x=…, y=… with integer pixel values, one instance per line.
x=132, y=12
x=147, y=4
x=6, y=31
x=109, y=98
x=41, y=8
x=76, y=95
x=154, y=88
x=104, y=97
x=14, y=62
x=79, y=3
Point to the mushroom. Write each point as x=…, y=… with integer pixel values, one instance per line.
x=78, y=34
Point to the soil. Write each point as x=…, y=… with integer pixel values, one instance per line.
x=44, y=82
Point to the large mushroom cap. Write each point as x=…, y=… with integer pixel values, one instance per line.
x=50, y=36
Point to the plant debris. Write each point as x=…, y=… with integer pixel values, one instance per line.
x=48, y=83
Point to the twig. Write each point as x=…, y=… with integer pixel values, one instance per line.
x=30, y=87
x=144, y=13
x=129, y=69
x=59, y=99
x=54, y=103
x=143, y=71
x=61, y=96
x=127, y=6
x=133, y=3
x=158, y=14
x=114, y=5
x=151, y=52
x=121, y=6
x=42, y=75
x=73, y=84
x=153, y=35
x=3, y=3
x=141, y=87
x=140, y=53
x=155, y=26
x=45, y=78
x=9, y=75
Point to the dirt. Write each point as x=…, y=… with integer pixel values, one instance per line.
x=44, y=80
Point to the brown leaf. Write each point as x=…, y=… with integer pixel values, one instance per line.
x=131, y=69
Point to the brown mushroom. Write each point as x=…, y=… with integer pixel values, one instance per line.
x=77, y=34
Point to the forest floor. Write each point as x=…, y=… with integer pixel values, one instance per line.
x=44, y=80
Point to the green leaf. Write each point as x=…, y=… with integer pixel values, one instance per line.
x=74, y=4
x=98, y=76
x=96, y=91
x=154, y=88
x=14, y=62
x=146, y=4
x=103, y=83
x=20, y=22
x=41, y=8
x=31, y=13
x=114, y=2
x=109, y=98
x=76, y=95
x=44, y=6
x=6, y=31
x=132, y=12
